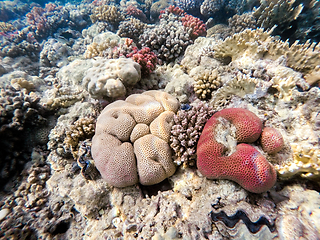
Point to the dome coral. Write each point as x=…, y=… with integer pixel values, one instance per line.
x=244, y=164
x=271, y=140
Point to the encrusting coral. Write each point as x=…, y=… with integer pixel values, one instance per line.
x=131, y=139
x=219, y=156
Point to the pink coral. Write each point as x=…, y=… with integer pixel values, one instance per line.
x=271, y=140
x=146, y=58
x=246, y=165
x=135, y=12
x=198, y=28
x=174, y=10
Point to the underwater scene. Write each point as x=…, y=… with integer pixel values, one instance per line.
x=160, y=119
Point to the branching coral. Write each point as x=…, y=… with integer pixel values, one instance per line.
x=107, y=13
x=206, y=81
x=186, y=130
x=131, y=28
x=80, y=130
x=146, y=59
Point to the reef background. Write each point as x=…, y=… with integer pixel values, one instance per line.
x=61, y=63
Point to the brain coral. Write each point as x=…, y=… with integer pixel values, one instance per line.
x=131, y=139
x=244, y=165
x=109, y=77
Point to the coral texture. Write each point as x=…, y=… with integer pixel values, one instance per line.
x=107, y=13
x=132, y=137
x=146, y=59
x=186, y=130
x=109, y=77
x=271, y=140
x=245, y=165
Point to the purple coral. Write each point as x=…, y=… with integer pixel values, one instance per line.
x=185, y=132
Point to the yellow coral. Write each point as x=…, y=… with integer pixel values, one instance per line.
x=306, y=161
x=6, y=27
x=206, y=82
x=82, y=129
x=106, y=13
x=258, y=44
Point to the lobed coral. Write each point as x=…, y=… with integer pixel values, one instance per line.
x=109, y=77
x=218, y=157
x=137, y=132
x=186, y=130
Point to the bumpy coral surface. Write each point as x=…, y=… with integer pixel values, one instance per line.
x=271, y=140
x=109, y=77
x=131, y=139
x=245, y=165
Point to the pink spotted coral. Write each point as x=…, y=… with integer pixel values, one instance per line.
x=244, y=165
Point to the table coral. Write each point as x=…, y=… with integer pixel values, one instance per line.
x=219, y=158
x=110, y=77
x=122, y=162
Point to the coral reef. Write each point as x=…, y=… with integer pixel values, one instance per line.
x=109, y=77
x=206, y=81
x=219, y=157
x=168, y=39
x=131, y=28
x=271, y=140
x=146, y=59
x=22, y=119
x=186, y=130
x=106, y=13
x=136, y=131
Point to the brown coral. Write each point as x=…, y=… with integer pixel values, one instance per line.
x=117, y=159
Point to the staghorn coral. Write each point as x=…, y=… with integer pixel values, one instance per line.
x=186, y=130
x=281, y=14
x=206, y=81
x=110, y=77
x=218, y=156
x=137, y=132
x=107, y=13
